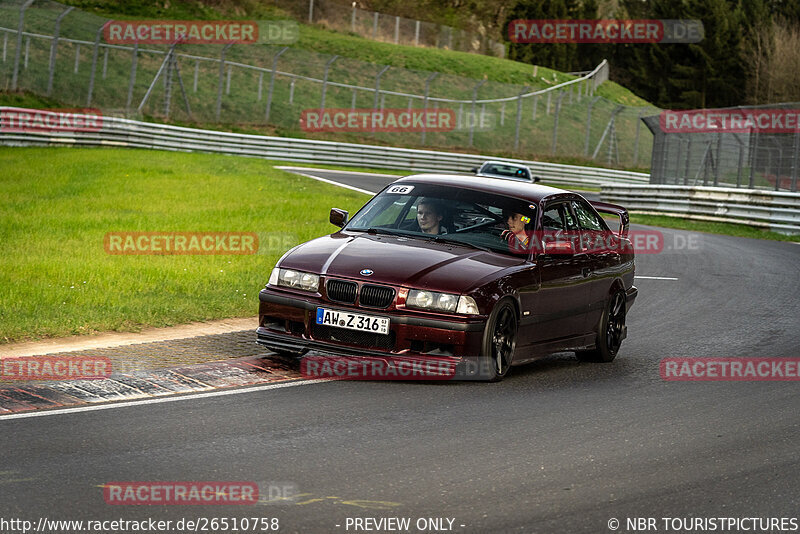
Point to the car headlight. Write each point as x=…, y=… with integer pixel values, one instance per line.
x=431, y=300
x=294, y=279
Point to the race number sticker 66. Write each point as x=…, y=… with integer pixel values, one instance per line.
x=400, y=189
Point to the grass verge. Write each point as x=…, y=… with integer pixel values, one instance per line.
x=57, y=204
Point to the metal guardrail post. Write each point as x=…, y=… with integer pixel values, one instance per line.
x=272, y=81
x=218, y=107
x=95, y=51
x=325, y=82
x=53, y=47
x=519, y=117
x=18, y=50
x=472, y=118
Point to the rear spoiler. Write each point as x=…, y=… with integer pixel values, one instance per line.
x=614, y=209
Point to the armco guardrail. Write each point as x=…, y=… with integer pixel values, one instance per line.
x=779, y=211
x=121, y=132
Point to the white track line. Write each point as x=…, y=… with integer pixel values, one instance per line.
x=355, y=173
x=371, y=193
x=655, y=277
x=125, y=404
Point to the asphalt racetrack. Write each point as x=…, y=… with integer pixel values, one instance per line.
x=558, y=447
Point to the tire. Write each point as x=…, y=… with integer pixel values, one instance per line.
x=499, y=341
x=609, y=333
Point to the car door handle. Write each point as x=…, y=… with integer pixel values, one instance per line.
x=585, y=271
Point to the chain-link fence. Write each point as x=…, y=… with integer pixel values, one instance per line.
x=347, y=16
x=61, y=52
x=730, y=154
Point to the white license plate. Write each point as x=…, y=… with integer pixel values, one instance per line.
x=353, y=321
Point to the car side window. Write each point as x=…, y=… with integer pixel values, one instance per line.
x=558, y=216
x=587, y=219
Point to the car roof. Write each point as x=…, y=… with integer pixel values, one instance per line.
x=519, y=189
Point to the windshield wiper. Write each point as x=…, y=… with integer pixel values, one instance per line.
x=381, y=230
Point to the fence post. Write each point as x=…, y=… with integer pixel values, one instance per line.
x=272, y=81
x=353, y=19
x=260, y=84
x=291, y=91
x=228, y=80
x=416, y=34
x=636, y=141
x=549, y=94
x=18, y=50
x=218, y=107
x=519, y=117
x=428, y=81
x=753, y=158
x=105, y=62
x=472, y=118
x=310, y=11
x=168, y=79
x=795, y=160
x=196, y=74
x=5, y=46
x=502, y=114
x=535, y=106
x=27, y=52
x=94, y=64
x=53, y=47
x=77, y=58
x=396, y=29
x=325, y=82
x=378, y=85
x=374, y=25
x=588, y=126
x=719, y=159
x=132, y=81
x=555, y=122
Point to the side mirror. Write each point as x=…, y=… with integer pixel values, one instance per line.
x=559, y=247
x=536, y=179
x=474, y=170
x=338, y=217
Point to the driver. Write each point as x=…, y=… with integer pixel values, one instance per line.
x=429, y=217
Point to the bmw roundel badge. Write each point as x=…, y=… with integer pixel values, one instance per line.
x=366, y=272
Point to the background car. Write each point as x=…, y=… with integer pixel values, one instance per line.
x=505, y=170
x=380, y=288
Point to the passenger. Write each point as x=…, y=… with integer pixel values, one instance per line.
x=429, y=217
x=519, y=239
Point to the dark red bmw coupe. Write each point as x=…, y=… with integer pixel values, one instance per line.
x=457, y=269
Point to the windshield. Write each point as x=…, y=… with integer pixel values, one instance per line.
x=448, y=214
x=510, y=171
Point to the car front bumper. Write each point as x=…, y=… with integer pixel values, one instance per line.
x=287, y=323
